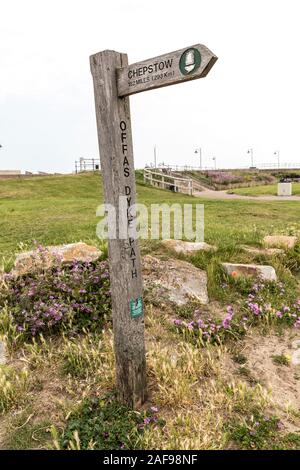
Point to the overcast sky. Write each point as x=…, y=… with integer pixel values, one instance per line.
x=250, y=98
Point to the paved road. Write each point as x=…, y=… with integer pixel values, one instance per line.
x=210, y=194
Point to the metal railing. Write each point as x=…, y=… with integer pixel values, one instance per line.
x=258, y=166
x=87, y=164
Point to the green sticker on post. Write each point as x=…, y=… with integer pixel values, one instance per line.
x=136, y=307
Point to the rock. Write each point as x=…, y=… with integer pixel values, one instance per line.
x=280, y=241
x=187, y=247
x=262, y=251
x=296, y=358
x=46, y=257
x=264, y=272
x=174, y=281
x=2, y=352
x=77, y=251
x=296, y=344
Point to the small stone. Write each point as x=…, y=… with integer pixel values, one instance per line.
x=262, y=251
x=296, y=358
x=296, y=344
x=264, y=272
x=2, y=352
x=280, y=241
x=45, y=258
x=187, y=248
x=174, y=281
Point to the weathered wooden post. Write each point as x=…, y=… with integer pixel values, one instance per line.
x=114, y=80
x=116, y=153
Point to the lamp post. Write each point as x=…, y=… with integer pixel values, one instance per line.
x=199, y=150
x=154, y=156
x=215, y=160
x=277, y=153
x=250, y=151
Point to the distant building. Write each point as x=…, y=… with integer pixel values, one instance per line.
x=9, y=173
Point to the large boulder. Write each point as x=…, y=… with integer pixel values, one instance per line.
x=46, y=257
x=187, y=248
x=264, y=272
x=280, y=241
x=174, y=281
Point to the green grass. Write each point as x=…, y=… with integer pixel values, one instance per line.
x=281, y=360
x=24, y=433
x=265, y=190
x=62, y=209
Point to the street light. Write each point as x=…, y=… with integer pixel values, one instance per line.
x=251, y=153
x=154, y=156
x=277, y=153
x=199, y=150
x=215, y=160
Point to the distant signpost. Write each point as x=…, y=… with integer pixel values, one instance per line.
x=114, y=80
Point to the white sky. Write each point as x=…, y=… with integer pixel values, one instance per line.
x=249, y=99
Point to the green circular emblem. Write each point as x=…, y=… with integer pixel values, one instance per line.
x=190, y=61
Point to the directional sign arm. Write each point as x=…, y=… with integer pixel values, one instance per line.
x=186, y=64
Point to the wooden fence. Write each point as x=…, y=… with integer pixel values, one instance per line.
x=166, y=180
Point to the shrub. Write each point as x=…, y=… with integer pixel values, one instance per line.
x=106, y=424
x=260, y=432
x=75, y=295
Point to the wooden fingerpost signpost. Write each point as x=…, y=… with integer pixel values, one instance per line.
x=114, y=80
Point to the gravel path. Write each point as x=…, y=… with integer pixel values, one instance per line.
x=210, y=194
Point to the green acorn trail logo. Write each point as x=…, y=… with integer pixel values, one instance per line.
x=190, y=61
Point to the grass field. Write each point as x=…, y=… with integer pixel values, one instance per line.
x=269, y=190
x=237, y=390
x=62, y=209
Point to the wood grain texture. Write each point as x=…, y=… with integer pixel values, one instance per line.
x=161, y=71
x=111, y=111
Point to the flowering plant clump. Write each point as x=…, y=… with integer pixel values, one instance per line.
x=222, y=177
x=208, y=330
x=75, y=295
x=105, y=424
x=258, y=432
x=266, y=302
